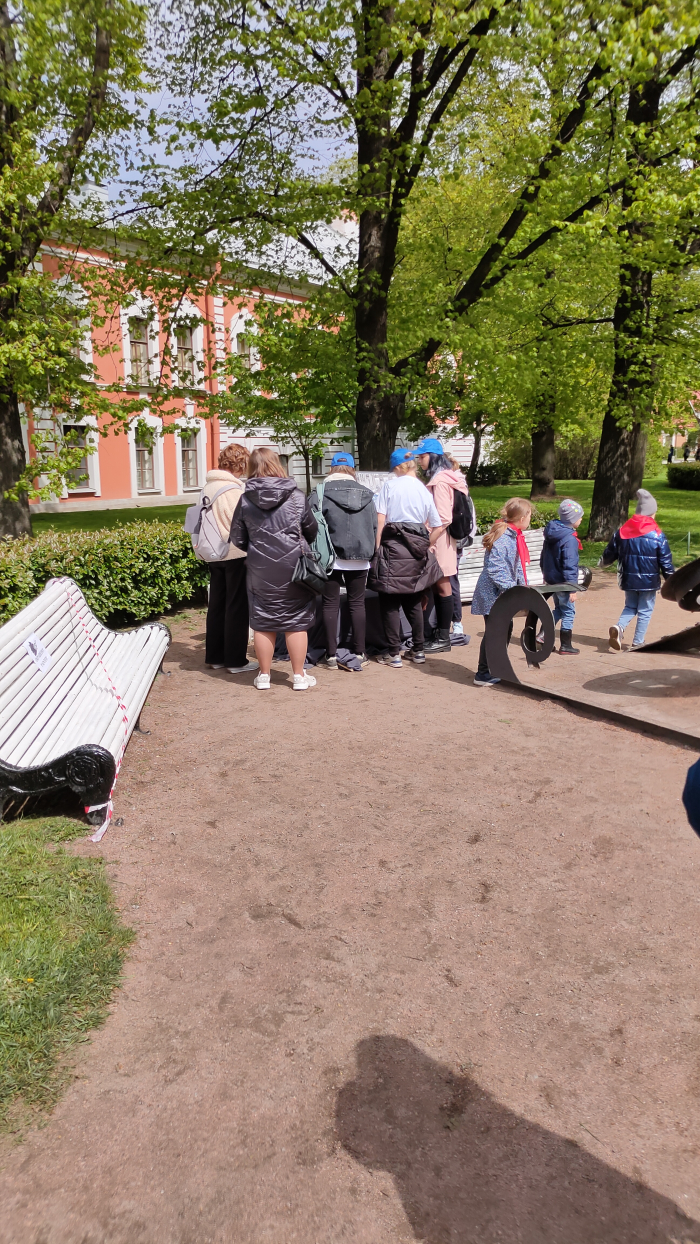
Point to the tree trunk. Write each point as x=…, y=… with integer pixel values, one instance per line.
x=378, y=419
x=639, y=457
x=476, y=455
x=543, y=484
x=630, y=394
x=307, y=468
x=631, y=386
x=14, y=515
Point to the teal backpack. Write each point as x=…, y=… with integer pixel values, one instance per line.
x=323, y=545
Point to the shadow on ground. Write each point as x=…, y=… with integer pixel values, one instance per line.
x=652, y=684
x=470, y=1171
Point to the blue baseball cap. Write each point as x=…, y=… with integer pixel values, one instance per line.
x=399, y=456
x=429, y=445
x=342, y=459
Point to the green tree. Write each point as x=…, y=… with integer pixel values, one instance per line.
x=404, y=93
x=66, y=70
x=304, y=383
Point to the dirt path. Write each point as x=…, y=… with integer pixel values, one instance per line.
x=415, y=961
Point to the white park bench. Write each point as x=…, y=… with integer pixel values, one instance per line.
x=71, y=692
x=472, y=564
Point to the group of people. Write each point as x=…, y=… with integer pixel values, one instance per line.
x=401, y=546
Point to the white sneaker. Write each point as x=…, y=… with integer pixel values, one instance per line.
x=615, y=638
x=214, y=667
x=302, y=681
x=262, y=682
x=243, y=669
x=457, y=628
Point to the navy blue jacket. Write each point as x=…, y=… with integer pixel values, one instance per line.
x=641, y=559
x=559, y=557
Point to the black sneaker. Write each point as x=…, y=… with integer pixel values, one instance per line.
x=485, y=680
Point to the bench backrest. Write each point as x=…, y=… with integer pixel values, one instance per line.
x=67, y=680
x=472, y=562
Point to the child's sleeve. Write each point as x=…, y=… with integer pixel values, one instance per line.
x=500, y=571
x=665, y=557
x=610, y=554
x=570, y=561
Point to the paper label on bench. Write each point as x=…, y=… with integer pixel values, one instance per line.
x=39, y=654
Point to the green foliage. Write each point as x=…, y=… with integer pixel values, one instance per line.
x=127, y=574
x=306, y=385
x=61, y=953
x=684, y=475
x=487, y=514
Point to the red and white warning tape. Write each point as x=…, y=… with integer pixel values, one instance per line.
x=99, y=833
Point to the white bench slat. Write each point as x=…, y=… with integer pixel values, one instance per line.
x=44, y=716
x=472, y=563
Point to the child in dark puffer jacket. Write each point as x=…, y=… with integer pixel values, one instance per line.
x=559, y=563
x=642, y=553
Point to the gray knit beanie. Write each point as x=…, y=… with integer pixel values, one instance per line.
x=570, y=511
x=646, y=504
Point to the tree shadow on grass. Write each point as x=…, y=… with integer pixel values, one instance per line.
x=470, y=1171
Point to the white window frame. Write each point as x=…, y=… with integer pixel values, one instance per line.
x=242, y=323
x=76, y=295
x=90, y=486
x=187, y=311
x=200, y=427
x=141, y=308
x=158, y=461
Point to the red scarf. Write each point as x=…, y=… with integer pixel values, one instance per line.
x=523, y=550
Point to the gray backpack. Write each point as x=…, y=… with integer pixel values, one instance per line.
x=201, y=525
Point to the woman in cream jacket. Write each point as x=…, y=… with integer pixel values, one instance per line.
x=227, y=615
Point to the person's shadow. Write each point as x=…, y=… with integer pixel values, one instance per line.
x=470, y=1171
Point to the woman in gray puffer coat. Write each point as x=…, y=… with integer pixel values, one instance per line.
x=273, y=523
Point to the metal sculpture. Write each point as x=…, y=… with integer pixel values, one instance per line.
x=533, y=602
x=684, y=587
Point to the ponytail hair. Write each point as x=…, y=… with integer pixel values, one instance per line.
x=516, y=508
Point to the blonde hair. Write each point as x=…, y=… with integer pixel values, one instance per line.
x=343, y=469
x=405, y=468
x=265, y=461
x=516, y=508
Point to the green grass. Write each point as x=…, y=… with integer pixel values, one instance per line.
x=61, y=952
x=96, y=520
x=678, y=513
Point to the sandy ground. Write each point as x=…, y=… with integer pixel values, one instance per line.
x=415, y=961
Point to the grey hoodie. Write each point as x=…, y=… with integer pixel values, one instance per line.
x=348, y=508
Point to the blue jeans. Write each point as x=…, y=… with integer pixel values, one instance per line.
x=640, y=604
x=564, y=610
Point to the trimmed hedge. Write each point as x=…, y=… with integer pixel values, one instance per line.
x=684, y=475
x=540, y=516
x=126, y=573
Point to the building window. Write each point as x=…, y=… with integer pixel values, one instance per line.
x=189, y=460
x=144, y=466
x=243, y=352
x=317, y=466
x=138, y=345
x=284, y=459
x=185, y=356
x=77, y=478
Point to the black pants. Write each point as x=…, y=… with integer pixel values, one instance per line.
x=456, y=598
x=389, y=609
x=355, y=582
x=483, y=667
x=227, y=615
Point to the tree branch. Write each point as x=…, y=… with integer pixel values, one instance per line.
x=320, y=60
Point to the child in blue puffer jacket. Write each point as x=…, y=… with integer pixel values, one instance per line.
x=642, y=553
x=559, y=564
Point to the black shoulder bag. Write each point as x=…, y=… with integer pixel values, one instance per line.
x=308, y=572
